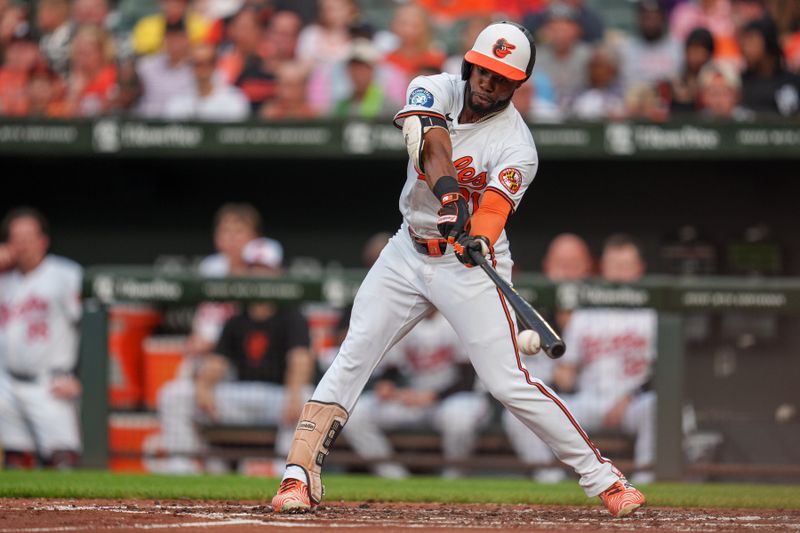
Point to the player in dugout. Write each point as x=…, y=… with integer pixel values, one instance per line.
x=471, y=159
x=40, y=308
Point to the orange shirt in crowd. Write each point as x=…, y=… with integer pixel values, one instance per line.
x=13, y=93
x=230, y=64
x=457, y=9
x=414, y=64
x=95, y=95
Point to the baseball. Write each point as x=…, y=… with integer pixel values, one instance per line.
x=529, y=341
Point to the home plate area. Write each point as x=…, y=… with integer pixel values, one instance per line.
x=42, y=515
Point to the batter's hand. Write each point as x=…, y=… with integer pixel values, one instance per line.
x=453, y=216
x=471, y=242
x=454, y=213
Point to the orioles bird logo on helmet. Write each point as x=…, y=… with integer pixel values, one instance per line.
x=502, y=48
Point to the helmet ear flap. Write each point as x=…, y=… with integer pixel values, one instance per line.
x=466, y=69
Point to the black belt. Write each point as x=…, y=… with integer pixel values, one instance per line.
x=431, y=247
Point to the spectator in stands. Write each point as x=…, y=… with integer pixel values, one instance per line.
x=129, y=87
x=367, y=98
x=21, y=55
x=167, y=74
x=645, y=103
x=259, y=373
x=467, y=35
x=716, y=15
x=149, y=33
x=653, y=54
x=92, y=81
x=719, y=93
x=591, y=23
x=603, y=378
x=446, y=12
x=605, y=97
x=281, y=37
x=426, y=381
x=416, y=48
x=56, y=29
x=93, y=12
x=328, y=40
x=534, y=108
x=39, y=311
x=46, y=93
x=212, y=99
x=767, y=87
x=10, y=19
x=244, y=35
x=683, y=91
x=561, y=55
x=291, y=100
x=257, y=79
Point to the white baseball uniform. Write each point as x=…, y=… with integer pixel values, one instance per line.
x=428, y=359
x=495, y=153
x=39, y=312
x=614, y=351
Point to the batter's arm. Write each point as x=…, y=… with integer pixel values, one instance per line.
x=437, y=156
x=437, y=159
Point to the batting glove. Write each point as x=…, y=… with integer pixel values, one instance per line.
x=471, y=242
x=454, y=213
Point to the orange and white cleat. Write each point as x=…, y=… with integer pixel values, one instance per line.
x=292, y=497
x=622, y=498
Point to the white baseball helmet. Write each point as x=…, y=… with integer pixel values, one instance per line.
x=505, y=48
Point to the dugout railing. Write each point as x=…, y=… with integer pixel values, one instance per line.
x=674, y=298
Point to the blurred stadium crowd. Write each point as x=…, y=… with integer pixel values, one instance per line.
x=233, y=60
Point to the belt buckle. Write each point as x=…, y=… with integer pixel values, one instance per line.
x=434, y=249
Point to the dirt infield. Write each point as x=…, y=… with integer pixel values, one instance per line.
x=41, y=516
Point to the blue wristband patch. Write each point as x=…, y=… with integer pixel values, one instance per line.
x=420, y=97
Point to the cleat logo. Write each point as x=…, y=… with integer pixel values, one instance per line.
x=502, y=48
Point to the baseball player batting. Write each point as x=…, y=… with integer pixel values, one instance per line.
x=471, y=159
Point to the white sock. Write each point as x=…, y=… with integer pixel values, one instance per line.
x=295, y=472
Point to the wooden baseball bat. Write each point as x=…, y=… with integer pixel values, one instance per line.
x=552, y=344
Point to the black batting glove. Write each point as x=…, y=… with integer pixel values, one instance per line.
x=468, y=242
x=454, y=213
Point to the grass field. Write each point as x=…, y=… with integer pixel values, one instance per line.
x=91, y=484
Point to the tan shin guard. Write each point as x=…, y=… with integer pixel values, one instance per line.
x=320, y=424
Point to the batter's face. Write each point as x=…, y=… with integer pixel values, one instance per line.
x=488, y=91
x=27, y=242
x=622, y=264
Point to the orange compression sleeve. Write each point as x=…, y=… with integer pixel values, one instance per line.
x=490, y=218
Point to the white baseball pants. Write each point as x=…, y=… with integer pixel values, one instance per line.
x=398, y=291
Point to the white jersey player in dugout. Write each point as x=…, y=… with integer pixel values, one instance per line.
x=472, y=157
x=39, y=310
